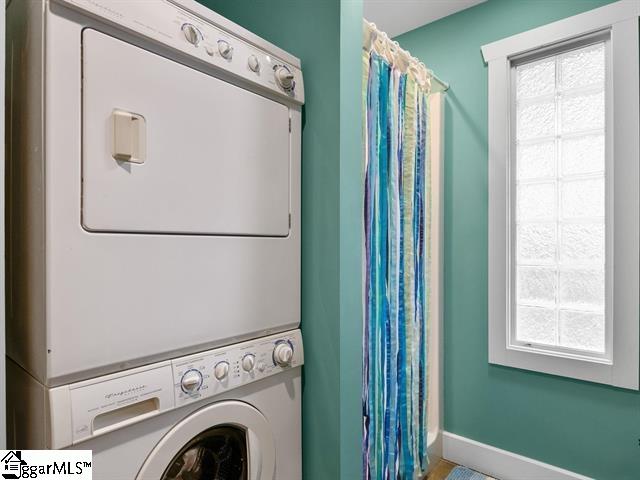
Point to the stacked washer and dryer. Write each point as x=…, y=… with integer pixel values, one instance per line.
x=154, y=240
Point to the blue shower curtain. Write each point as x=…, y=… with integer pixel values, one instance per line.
x=396, y=274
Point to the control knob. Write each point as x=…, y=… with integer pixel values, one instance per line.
x=225, y=49
x=254, y=63
x=191, y=381
x=192, y=34
x=248, y=361
x=283, y=354
x=284, y=77
x=221, y=370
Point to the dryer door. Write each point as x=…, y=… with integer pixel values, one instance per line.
x=229, y=440
x=169, y=149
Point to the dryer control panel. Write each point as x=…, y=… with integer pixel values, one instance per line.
x=94, y=407
x=201, y=34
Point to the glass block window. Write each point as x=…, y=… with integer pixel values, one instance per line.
x=563, y=264
x=560, y=201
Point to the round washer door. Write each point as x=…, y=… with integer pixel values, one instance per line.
x=229, y=440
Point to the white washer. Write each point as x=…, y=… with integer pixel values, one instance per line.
x=154, y=192
x=233, y=411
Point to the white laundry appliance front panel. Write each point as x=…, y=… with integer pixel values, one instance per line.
x=108, y=272
x=138, y=420
x=216, y=156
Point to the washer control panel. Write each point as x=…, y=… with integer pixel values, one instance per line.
x=100, y=405
x=103, y=404
x=216, y=371
x=200, y=37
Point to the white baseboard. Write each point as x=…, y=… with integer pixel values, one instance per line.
x=499, y=463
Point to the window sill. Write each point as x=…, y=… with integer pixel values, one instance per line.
x=600, y=359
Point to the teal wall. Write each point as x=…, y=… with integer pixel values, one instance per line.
x=312, y=30
x=351, y=199
x=584, y=427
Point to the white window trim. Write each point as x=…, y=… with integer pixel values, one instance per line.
x=622, y=369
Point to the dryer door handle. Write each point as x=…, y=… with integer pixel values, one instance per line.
x=129, y=137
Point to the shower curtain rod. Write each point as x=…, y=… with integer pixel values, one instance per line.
x=375, y=39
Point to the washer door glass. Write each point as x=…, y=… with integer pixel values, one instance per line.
x=219, y=453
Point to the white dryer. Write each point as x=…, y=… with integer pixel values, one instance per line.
x=231, y=413
x=154, y=185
